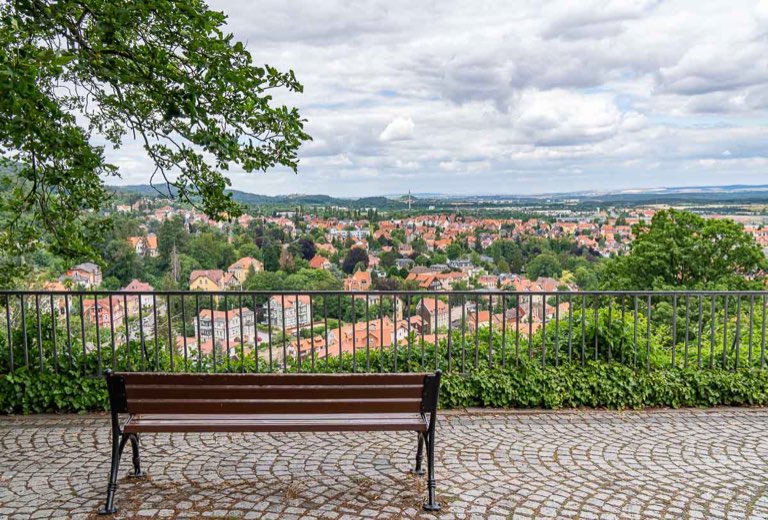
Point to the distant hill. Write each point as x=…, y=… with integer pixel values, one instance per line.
x=253, y=199
x=733, y=188
x=682, y=197
x=240, y=196
x=736, y=193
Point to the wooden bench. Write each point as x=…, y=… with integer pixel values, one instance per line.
x=158, y=402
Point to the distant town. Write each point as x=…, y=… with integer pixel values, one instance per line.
x=157, y=243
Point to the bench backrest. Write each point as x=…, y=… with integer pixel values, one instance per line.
x=157, y=393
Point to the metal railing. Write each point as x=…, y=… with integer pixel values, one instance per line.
x=324, y=331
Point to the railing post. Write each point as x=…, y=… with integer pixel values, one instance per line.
x=634, y=331
x=9, y=334
x=112, y=332
x=762, y=341
x=171, y=342
x=648, y=336
x=24, y=330
x=53, y=338
x=674, y=330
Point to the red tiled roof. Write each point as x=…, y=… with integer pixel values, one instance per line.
x=317, y=262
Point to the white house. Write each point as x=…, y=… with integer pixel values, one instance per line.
x=293, y=309
x=222, y=326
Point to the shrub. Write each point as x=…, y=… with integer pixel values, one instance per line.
x=26, y=392
x=596, y=384
x=607, y=385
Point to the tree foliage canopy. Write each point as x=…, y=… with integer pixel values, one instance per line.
x=76, y=75
x=355, y=256
x=683, y=250
x=544, y=265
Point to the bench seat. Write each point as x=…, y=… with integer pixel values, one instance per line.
x=159, y=423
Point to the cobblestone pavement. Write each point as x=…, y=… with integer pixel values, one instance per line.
x=593, y=464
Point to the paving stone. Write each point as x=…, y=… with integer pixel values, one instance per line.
x=585, y=464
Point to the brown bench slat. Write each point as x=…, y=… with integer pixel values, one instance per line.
x=307, y=392
x=280, y=406
x=275, y=423
x=276, y=416
x=149, y=378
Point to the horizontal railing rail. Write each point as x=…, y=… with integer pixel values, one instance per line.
x=467, y=292
x=382, y=331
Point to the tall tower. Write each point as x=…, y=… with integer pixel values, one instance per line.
x=409, y=200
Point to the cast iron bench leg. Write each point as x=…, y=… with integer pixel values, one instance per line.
x=431, y=503
x=136, y=456
x=418, y=470
x=118, y=443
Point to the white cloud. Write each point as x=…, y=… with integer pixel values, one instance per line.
x=400, y=129
x=761, y=10
x=512, y=97
x=560, y=117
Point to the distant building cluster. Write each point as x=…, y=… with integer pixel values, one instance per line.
x=233, y=327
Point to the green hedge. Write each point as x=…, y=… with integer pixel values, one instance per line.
x=604, y=385
x=597, y=384
x=31, y=392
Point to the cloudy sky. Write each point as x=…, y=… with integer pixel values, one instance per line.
x=509, y=97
